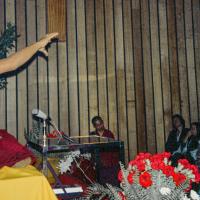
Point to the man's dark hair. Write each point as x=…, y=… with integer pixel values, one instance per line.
x=95, y=119
x=180, y=118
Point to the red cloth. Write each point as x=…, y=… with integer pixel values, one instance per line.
x=107, y=133
x=67, y=179
x=11, y=151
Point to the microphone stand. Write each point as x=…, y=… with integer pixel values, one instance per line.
x=44, y=150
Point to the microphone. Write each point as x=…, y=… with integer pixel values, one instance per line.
x=38, y=113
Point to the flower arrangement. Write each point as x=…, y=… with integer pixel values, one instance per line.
x=70, y=157
x=151, y=177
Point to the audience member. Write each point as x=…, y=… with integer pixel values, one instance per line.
x=189, y=146
x=109, y=159
x=176, y=137
x=100, y=129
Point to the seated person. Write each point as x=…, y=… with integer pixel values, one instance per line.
x=12, y=153
x=109, y=160
x=176, y=136
x=189, y=146
x=100, y=129
x=190, y=143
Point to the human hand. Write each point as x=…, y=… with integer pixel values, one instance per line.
x=189, y=133
x=45, y=40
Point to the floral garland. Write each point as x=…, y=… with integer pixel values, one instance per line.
x=151, y=177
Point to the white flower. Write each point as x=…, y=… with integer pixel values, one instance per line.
x=64, y=165
x=184, y=198
x=166, y=161
x=148, y=165
x=194, y=195
x=165, y=191
x=180, y=166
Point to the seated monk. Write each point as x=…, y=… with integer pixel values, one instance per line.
x=12, y=153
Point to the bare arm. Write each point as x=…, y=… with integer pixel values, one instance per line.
x=17, y=59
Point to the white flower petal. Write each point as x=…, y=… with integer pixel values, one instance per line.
x=165, y=191
x=194, y=195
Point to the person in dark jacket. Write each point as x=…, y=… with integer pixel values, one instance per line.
x=176, y=137
x=189, y=146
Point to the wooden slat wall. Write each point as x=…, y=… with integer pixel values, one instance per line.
x=134, y=62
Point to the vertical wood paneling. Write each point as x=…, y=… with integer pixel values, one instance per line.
x=196, y=32
x=157, y=85
x=42, y=65
x=57, y=18
x=53, y=84
x=139, y=84
x=173, y=58
x=148, y=79
x=111, y=74
x=63, y=88
x=121, y=95
x=3, y=91
x=91, y=60
x=32, y=91
x=11, y=87
x=82, y=67
x=164, y=61
x=130, y=76
x=21, y=77
x=190, y=60
x=133, y=62
x=72, y=56
x=183, y=78
x=101, y=66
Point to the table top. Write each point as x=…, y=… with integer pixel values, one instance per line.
x=76, y=142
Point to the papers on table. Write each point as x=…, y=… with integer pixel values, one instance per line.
x=68, y=190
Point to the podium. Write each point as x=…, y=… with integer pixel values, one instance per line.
x=106, y=154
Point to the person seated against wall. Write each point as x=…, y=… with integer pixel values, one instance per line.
x=189, y=147
x=176, y=137
x=198, y=151
x=100, y=129
x=109, y=160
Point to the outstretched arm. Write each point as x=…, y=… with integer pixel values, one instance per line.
x=17, y=59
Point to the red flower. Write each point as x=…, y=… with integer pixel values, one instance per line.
x=130, y=177
x=145, y=179
x=166, y=154
x=157, y=165
x=120, y=176
x=184, y=162
x=178, y=178
x=168, y=170
x=121, y=195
